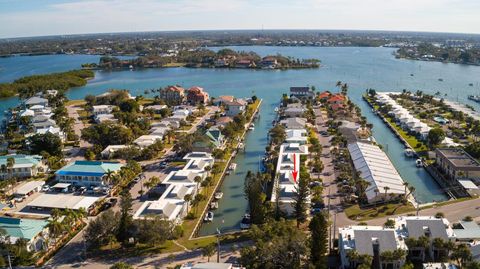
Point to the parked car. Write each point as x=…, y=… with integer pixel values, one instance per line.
x=315, y=183
x=163, y=165
x=45, y=188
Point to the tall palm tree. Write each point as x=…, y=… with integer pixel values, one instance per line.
x=386, y=188
x=187, y=198
x=198, y=179
x=405, y=185
x=10, y=165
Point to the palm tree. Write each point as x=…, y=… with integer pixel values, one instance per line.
x=405, y=185
x=108, y=176
x=187, y=198
x=376, y=196
x=197, y=179
x=10, y=164
x=386, y=188
x=4, y=170
x=55, y=228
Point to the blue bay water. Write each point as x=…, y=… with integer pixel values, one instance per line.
x=361, y=68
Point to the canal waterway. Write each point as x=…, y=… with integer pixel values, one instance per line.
x=361, y=68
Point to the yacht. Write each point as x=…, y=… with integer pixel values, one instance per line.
x=246, y=222
x=218, y=195
x=208, y=217
x=440, y=79
x=418, y=163
x=409, y=153
x=470, y=84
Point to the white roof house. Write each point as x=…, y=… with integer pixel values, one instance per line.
x=296, y=136
x=376, y=168
x=365, y=239
x=147, y=140
x=102, y=109
x=289, y=155
x=104, y=117
x=160, y=131
x=429, y=226
x=109, y=150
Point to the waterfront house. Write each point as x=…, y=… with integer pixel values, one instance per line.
x=196, y=95
x=245, y=64
x=171, y=205
x=439, y=265
x=35, y=100
x=222, y=99
x=235, y=108
x=296, y=136
x=374, y=166
x=456, y=164
x=324, y=95
x=102, y=109
x=369, y=240
x=87, y=173
x=292, y=112
x=43, y=123
x=53, y=130
x=173, y=94
x=269, y=62
x=301, y=92
x=285, y=182
x=34, y=231
x=294, y=123
x=336, y=99
x=24, y=166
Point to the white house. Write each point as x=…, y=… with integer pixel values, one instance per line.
x=147, y=140
x=234, y=108
x=102, y=109
x=24, y=166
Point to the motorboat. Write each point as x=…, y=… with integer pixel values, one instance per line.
x=246, y=222
x=475, y=98
x=409, y=152
x=208, y=217
x=218, y=195
x=232, y=166
x=419, y=163
x=440, y=79
x=251, y=128
x=470, y=84
x=241, y=145
x=213, y=205
x=276, y=109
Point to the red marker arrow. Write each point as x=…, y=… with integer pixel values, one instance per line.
x=294, y=172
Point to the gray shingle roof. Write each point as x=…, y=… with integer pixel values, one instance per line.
x=364, y=240
x=416, y=228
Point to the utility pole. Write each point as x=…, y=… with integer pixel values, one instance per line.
x=9, y=260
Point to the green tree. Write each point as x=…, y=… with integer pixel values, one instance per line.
x=300, y=205
x=208, y=251
x=154, y=231
x=435, y=136
x=318, y=241
x=256, y=197
x=100, y=231
x=276, y=244
x=125, y=224
x=47, y=142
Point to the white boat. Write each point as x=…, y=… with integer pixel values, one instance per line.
x=409, y=153
x=241, y=145
x=418, y=163
x=251, y=128
x=246, y=222
x=233, y=166
x=218, y=195
x=208, y=217
x=276, y=109
x=252, y=124
x=213, y=205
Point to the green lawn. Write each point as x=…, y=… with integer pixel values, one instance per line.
x=354, y=212
x=416, y=144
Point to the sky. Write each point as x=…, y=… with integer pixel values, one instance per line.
x=21, y=18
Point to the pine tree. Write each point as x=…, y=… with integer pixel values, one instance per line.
x=300, y=204
x=126, y=221
x=318, y=241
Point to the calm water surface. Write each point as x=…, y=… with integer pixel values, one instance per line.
x=361, y=68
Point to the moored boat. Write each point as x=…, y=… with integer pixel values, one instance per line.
x=232, y=166
x=246, y=222
x=409, y=153
x=213, y=205
x=218, y=195
x=475, y=98
x=418, y=163
x=208, y=217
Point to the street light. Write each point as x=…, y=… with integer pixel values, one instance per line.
x=218, y=245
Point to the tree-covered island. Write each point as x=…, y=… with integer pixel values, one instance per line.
x=204, y=58
x=28, y=86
